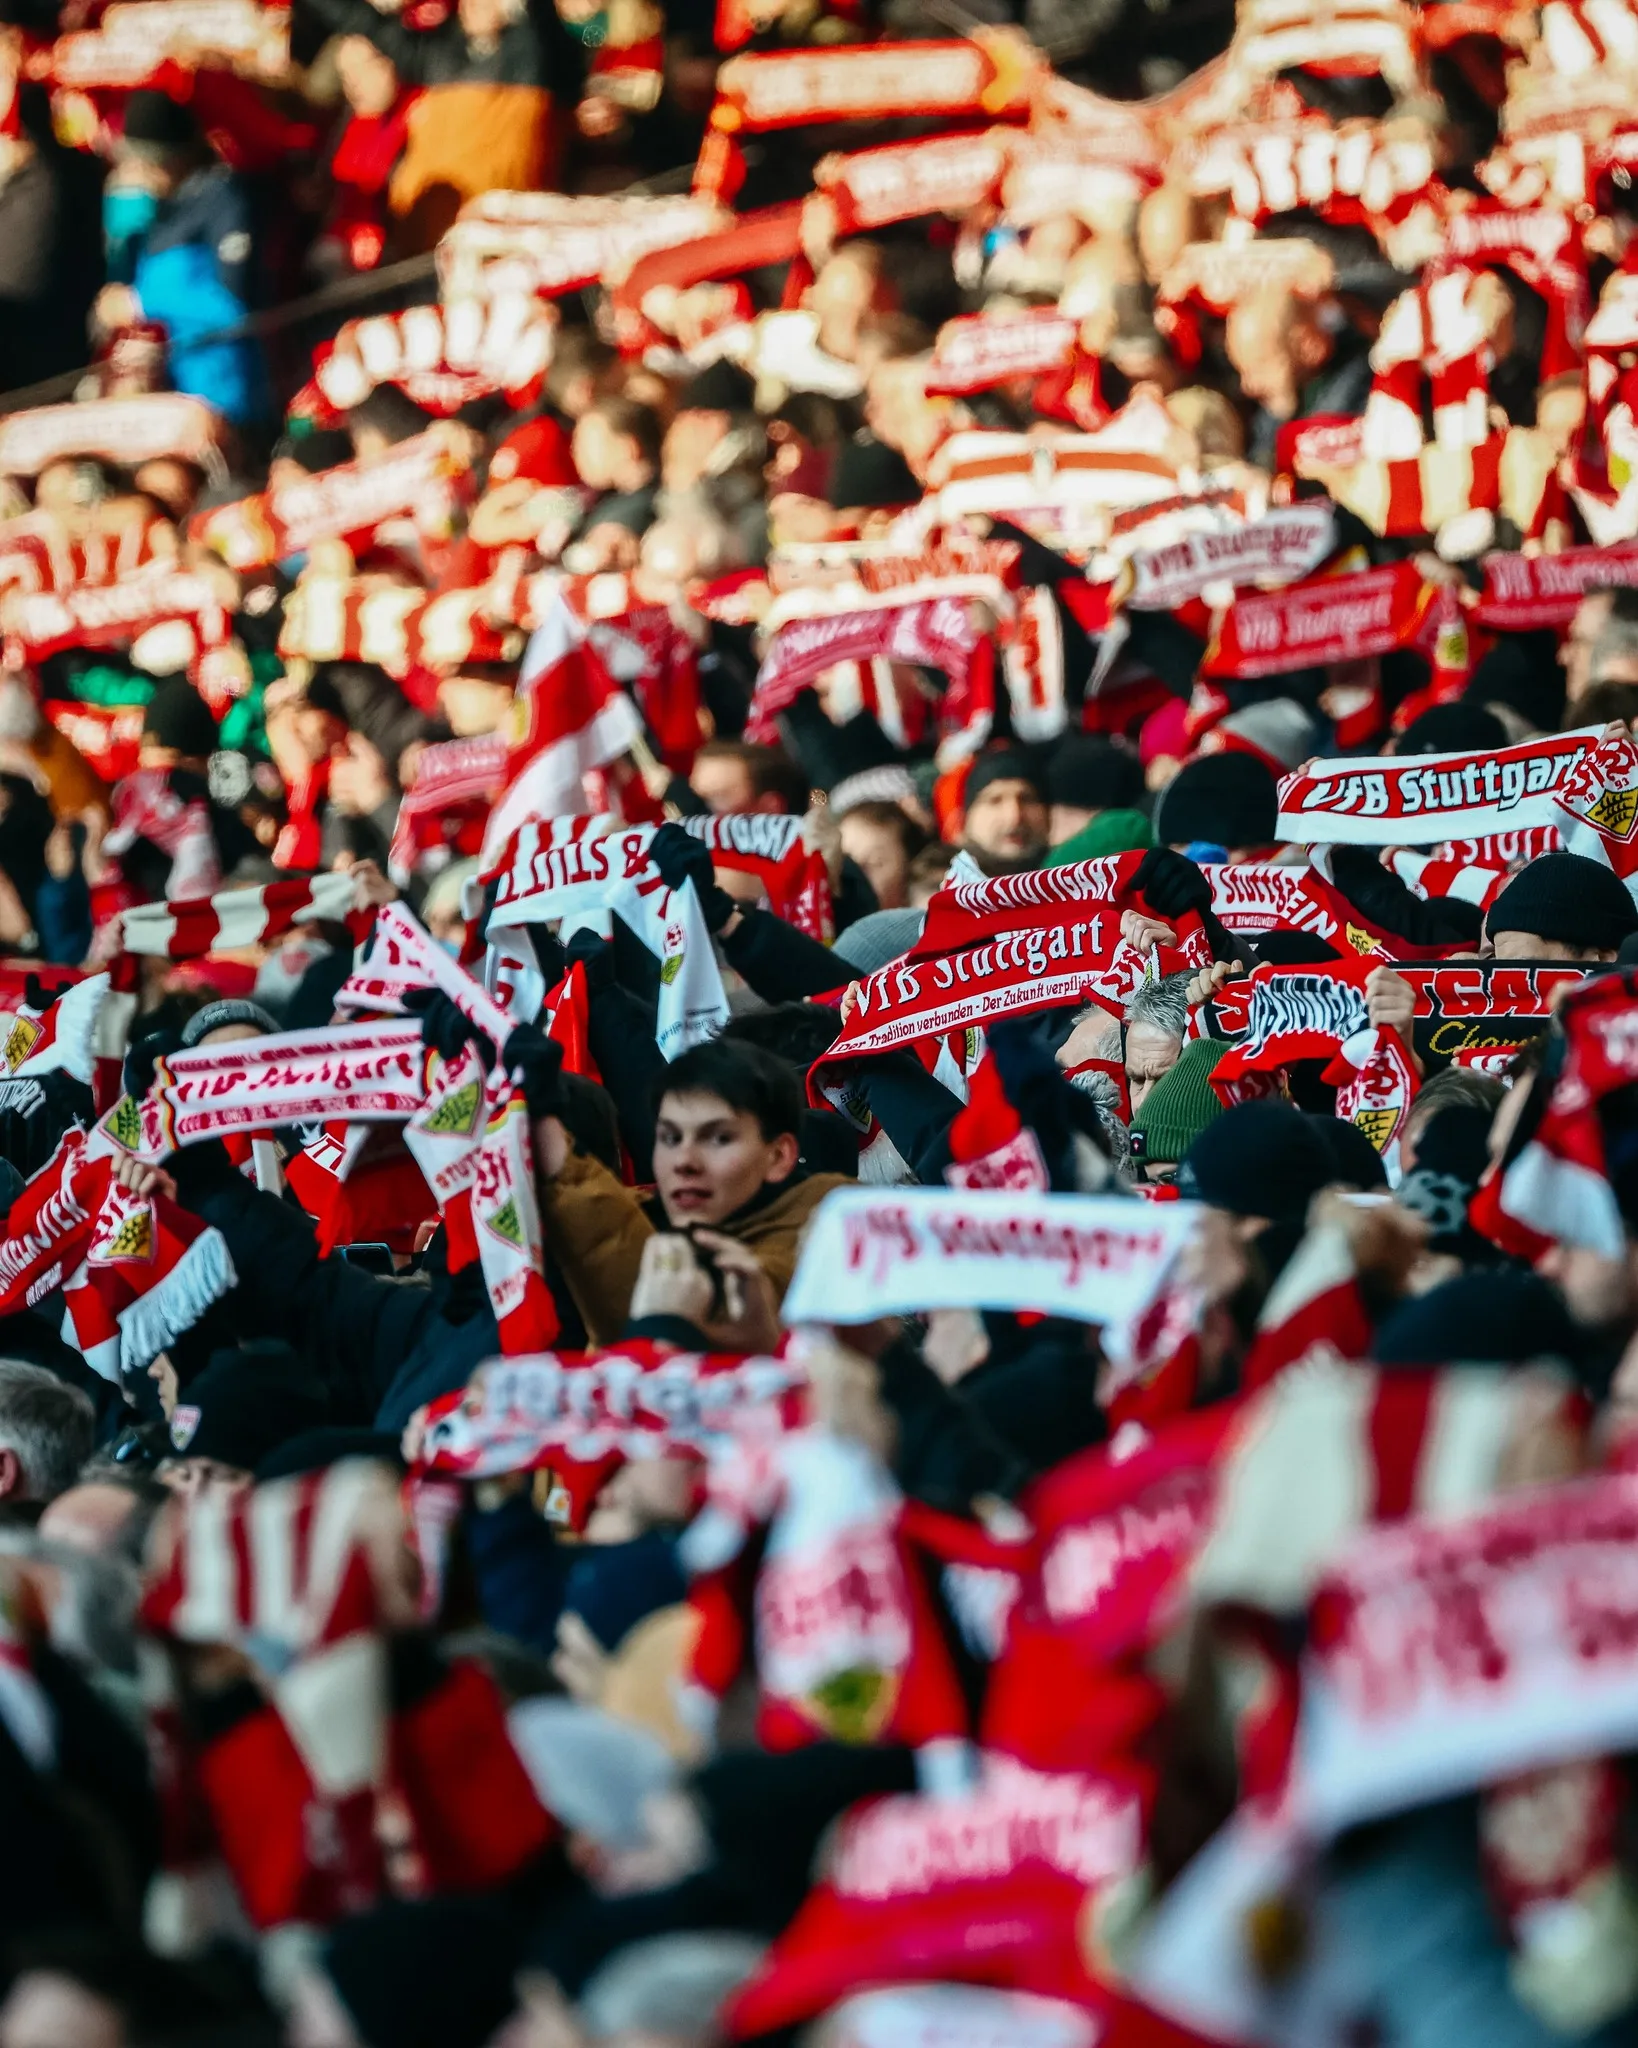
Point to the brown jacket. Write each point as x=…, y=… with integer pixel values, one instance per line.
x=597, y=1228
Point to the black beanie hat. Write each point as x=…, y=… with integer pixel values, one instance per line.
x=426, y=1973
x=159, y=122
x=246, y=1403
x=1567, y=898
x=1089, y=773
x=1258, y=1159
x=1004, y=764
x=720, y=387
x=1228, y=800
x=1503, y=1316
x=1355, y=1161
x=869, y=474
x=1460, y=728
x=179, y=718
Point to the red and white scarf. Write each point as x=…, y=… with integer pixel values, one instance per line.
x=1284, y=546
x=1524, y=592
x=45, y=622
x=641, y=1400
x=127, y=51
x=441, y=356
x=373, y=1073
x=1335, y=618
x=997, y=948
x=302, y=1804
x=419, y=479
x=544, y=244
x=397, y=626
x=147, y=807
x=125, y=431
x=1391, y=801
x=234, y=918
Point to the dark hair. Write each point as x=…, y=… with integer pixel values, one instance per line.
x=771, y=769
x=588, y=1114
x=895, y=818
x=388, y=412
x=578, y=352
x=795, y=1032
x=751, y=1080
x=1600, y=702
x=633, y=421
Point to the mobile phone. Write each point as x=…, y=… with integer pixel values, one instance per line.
x=374, y=1258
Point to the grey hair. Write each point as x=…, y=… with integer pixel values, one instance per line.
x=93, y=1618
x=47, y=1424
x=1162, y=1004
x=1615, y=640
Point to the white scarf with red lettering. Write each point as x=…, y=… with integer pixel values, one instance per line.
x=1392, y=801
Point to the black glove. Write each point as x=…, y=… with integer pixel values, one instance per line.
x=444, y=1029
x=586, y=949
x=537, y=1061
x=1171, y=884
x=137, y=1075
x=679, y=857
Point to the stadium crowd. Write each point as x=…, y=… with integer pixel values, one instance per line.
x=818, y=1024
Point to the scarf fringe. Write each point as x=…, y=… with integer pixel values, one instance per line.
x=172, y=1306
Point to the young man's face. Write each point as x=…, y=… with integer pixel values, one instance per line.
x=709, y=1160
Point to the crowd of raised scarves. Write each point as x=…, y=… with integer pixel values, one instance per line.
x=819, y=1061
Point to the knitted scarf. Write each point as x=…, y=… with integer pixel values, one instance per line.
x=872, y=188
x=1284, y=546
x=128, y=51
x=1557, y=1183
x=135, y=1274
x=996, y=1885
x=989, y=75
x=398, y=626
x=373, y=1072
x=146, y=806
x=898, y=1251
x=419, y=479
x=442, y=356
x=293, y=1783
x=46, y=622
x=560, y=869
x=1394, y=802
x=1525, y=592
x=1335, y=618
x=124, y=431
x=456, y=781
x=234, y=918
x=548, y=243
x=839, y=1617
x=995, y=949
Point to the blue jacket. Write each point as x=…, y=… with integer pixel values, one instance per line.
x=193, y=275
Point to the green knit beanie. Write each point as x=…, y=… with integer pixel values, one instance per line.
x=1108, y=832
x=1180, y=1104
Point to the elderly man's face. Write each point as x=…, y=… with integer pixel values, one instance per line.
x=1150, y=1055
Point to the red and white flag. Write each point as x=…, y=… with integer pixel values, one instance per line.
x=572, y=717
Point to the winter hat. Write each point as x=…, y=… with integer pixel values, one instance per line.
x=157, y=122
x=215, y=1016
x=1109, y=832
x=245, y=1404
x=871, y=942
x=590, y=1770
x=1502, y=1316
x=1522, y=673
x=1452, y=1152
x=1460, y=728
x=1087, y=772
x=1567, y=898
x=1164, y=734
x=1179, y=1106
x=871, y=475
x=1230, y=798
x=177, y=716
x=316, y=1450
x=1258, y=1159
x=1002, y=764
x=721, y=386
x=426, y=1973
x=1355, y=1161
x=1277, y=732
